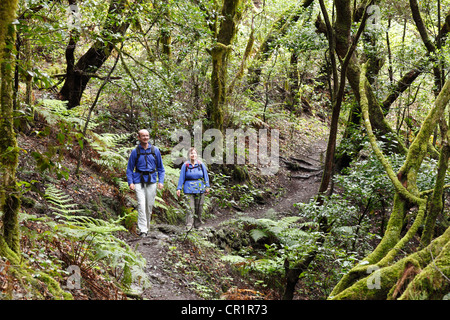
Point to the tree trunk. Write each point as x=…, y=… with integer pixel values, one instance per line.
x=79, y=74
x=9, y=151
x=343, y=25
x=165, y=35
x=220, y=53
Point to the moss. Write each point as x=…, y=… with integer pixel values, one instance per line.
x=10, y=201
x=389, y=257
x=374, y=286
x=431, y=265
x=432, y=283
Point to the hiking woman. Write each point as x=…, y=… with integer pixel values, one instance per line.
x=194, y=181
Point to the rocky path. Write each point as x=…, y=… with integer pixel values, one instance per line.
x=298, y=184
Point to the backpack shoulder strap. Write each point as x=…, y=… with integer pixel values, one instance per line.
x=152, y=151
x=138, y=154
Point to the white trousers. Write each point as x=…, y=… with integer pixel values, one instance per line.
x=145, y=195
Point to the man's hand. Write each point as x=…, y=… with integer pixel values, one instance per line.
x=178, y=193
x=160, y=186
x=132, y=186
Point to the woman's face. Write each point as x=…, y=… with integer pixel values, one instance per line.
x=193, y=155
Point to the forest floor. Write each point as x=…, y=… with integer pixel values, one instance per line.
x=165, y=246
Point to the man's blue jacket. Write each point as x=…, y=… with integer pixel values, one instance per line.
x=146, y=163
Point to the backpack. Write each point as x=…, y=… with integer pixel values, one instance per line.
x=200, y=165
x=138, y=152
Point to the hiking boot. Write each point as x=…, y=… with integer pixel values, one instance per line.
x=143, y=234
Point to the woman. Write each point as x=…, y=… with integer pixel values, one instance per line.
x=194, y=181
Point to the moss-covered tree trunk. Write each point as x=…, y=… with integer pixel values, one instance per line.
x=9, y=154
x=220, y=53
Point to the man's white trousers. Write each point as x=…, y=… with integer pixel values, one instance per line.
x=145, y=195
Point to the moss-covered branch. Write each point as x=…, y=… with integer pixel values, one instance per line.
x=399, y=187
x=391, y=242
x=422, y=274
x=433, y=282
x=418, y=148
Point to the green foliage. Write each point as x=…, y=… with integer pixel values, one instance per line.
x=275, y=241
x=113, y=152
x=276, y=230
x=366, y=183
x=62, y=131
x=94, y=239
x=225, y=194
x=221, y=192
x=303, y=37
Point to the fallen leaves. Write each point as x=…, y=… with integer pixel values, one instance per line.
x=242, y=294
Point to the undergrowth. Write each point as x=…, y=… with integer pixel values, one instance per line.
x=83, y=254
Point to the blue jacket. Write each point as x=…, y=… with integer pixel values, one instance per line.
x=146, y=163
x=194, y=178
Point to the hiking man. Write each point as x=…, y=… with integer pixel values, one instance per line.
x=144, y=165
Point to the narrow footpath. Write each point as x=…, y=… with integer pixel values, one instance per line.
x=300, y=177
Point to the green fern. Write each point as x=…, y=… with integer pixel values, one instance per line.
x=108, y=146
x=107, y=141
x=99, y=234
x=281, y=230
x=55, y=111
x=59, y=202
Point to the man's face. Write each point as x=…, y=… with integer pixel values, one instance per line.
x=143, y=136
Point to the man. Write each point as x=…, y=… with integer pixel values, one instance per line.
x=144, y=165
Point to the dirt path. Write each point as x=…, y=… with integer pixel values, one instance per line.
x=166, y=284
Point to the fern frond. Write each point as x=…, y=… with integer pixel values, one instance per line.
x=106, y=141
x=59, y=202
x=114, y=251
x=54, y=111
x=258, y=234
x=107, y=146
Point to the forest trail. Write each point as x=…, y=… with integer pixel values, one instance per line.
x=166, y=284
